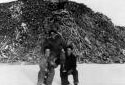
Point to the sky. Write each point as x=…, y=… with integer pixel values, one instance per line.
x=114, y=9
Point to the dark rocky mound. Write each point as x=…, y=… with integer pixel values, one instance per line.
x=25, y=24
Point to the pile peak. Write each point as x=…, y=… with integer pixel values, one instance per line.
x=56, y=0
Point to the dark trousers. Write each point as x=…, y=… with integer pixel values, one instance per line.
x=50, y=77
x=64, y=77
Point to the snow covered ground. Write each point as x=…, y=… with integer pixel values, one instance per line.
x=89, y=74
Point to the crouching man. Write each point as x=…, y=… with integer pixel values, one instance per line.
x=47, y=68
x=69, y=67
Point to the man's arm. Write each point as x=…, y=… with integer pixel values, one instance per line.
x=73, y=64
x=74, y=61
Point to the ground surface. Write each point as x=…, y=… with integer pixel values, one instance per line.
x=89, y=74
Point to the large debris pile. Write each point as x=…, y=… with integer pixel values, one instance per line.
x=25, y=24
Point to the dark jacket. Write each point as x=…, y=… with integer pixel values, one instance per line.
x=70, y=63
x=56, y=44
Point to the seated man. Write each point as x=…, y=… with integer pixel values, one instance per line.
x=47, y=68
x=69, y=68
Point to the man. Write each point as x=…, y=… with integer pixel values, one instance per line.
x=69, y=68
x=47, y=68
x=56, y=42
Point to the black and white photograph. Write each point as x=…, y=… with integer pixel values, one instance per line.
x=62, y=42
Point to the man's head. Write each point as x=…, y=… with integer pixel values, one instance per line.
x=47, y=51
x=52, y=33
x=69, y=50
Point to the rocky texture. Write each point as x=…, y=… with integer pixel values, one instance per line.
x=25, y=24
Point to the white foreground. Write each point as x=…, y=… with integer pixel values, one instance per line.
x=89, y=74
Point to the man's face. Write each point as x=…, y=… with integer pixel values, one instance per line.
x=47, y=52
x=53, y=34
x=123, y=51
x=69, y=51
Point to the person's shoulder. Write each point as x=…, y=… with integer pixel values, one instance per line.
x=73, y=55
x=58, y=36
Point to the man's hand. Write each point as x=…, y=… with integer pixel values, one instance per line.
x=53, y=64
x=70, y=71
x=63, y=50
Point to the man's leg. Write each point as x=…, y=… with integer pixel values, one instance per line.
x=50, y=77
x=64, y=78
x=45, y=78
x=75, y=77
x=41, y=76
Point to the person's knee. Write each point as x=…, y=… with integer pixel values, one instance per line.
x=75, y=71
x=63, y=74
x=52, y=72
x=40, y=75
